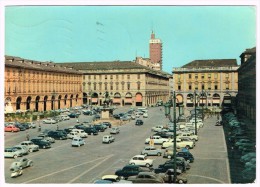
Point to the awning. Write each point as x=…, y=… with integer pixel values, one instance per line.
x=117, y=100
x=94, y=100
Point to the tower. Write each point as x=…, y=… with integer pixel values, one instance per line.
x=155, y=46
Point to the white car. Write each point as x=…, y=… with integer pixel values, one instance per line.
x=78, y=142
x=179, y=143
x=115, y=130
x=22, y=148
x=30, y=145
x=49, y=121
x=64, y=117
x=190, y=135
x=141, y=160
x=72, y=135
x=81, y=133
x=145, y=115
x=12, y=153
x=197, y=120
x=108, y=139
x=157, y=128
x=156, y=140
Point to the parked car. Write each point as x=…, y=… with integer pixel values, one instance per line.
x=112, y=178
x=130, y=170
x=186, y=155
x=108, y=139
x=99, y=127
x=32, y=125
x=20, y=126
x=151, y=151
x=49, y=121
x=72, y=135
x=108, y=124
x=81, y=133
x=141, y=160
x=157, y=128
x=139, y=122
x=65, y=117
x=23, y=163
x=145, y=115
x=116, y=116
x=73, y=115
x=100, y=181
x=146, y=177
x=156, y=140
x=57, y=135
x=168, y=153
x=78, y=142
x=12, y=152
x=43, y=144
x=115, y=130
x=11, y=128
x=89, y=130
x=22, y=148
x=46, y=137
x=168, y=177
x=30, y=145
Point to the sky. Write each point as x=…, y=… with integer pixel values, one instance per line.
x=107, y=33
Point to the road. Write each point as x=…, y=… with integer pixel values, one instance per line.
x=65, y=164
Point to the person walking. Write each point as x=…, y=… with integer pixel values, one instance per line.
x=27, y=136
x=39, y=128
x=57, y=127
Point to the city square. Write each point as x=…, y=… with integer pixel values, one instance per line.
x=81, y=113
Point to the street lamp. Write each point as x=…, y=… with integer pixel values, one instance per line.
x=167, y=112
x=196, y=99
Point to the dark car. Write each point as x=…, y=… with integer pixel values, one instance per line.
x=73, y=115
x=131, y=170
x=26, y=125
x=162, y=168
x=186, y=155
x=163, y=135
x=89, y=130
x=108, y=124
x=57, y=135
x=139, y=122
x=100, y=128
x=88, y=113
x=116, y=116
x=43, y=144
x=20, y=126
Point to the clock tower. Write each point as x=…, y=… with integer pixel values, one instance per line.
x=155, y=46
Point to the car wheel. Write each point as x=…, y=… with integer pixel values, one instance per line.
x=43, y=147
x=159, y=154
x=168, y=156
x=147, y=165
x=15, y=156
x=78, y=145
x=31, y=164
x=60, y=138
x=145, y=154
x=180, y=181
x=30, y=150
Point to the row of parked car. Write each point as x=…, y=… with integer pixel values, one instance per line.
x=242, y=143
x=17, y=126
x=140, y=167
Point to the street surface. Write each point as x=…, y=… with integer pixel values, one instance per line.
x=65, y=164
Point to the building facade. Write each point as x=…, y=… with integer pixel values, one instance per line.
x=40, y=86
x=147, y=62
x=155, y=50
x=127, y=83
x=246, y=98
x=215, y=82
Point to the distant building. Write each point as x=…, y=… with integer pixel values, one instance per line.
x=40, y=86
x=126, y=82
x=218, y=78
x=147, y=62
x=246, y=97
x=155, y=50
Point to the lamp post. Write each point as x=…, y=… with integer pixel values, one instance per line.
x=167, y=112
x=196, y=99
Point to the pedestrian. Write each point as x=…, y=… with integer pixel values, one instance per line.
x=27, y=136
x=39, y=128
x=57, y=127
x=77, y=120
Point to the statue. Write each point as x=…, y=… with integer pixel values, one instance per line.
x=107, y=100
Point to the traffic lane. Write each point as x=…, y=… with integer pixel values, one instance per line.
x=211, y=164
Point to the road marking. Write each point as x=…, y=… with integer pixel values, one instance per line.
x=66, y=169
x=90, y=169
x=201, y=176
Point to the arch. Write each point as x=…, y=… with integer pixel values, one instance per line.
x=179, y=98
x=117, y=98
x=190, y=100
x=216, y=99
x=45, y=102
x=65, y=100
x=85, y=98
x=128, y=99
x=77, y=97
x=138, y=99
x=59, y=98
x=71, y=97
x=28, y=102
x=18, y=103
x=227, y=99
x=37, y=99
x=53, y=102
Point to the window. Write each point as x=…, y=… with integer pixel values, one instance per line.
x=116, y=77
x=227, y=75
x=111, y=86
x=138, y=76
x=94, y=77
x=190, y=87
x=105, y=86
x=202, y=76
x=202, y=87
x=196, y=86
x=117, y=86
x=216, y=86
x=196, y=76
x=111, y=76
x=209, y=75
x=105, y=76
x=128, y=86
x=215, y=75
x=138, y=86
x=179, y=87
x=179, y=76
x=89, y=77
x=190, y=76
x=128, y=76
x=209, y=86
x=95, y=86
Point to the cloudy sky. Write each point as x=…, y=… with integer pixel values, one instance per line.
x=106, y=33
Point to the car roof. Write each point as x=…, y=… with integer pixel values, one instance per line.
x=139, y=156
x=110, y=177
